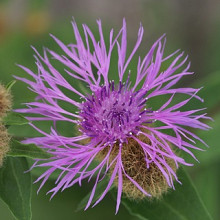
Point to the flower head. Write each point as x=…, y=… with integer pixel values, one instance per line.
x=132, y=142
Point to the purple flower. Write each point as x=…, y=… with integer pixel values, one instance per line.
x=133, y=143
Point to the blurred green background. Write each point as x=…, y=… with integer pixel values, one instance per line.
x=193, y=26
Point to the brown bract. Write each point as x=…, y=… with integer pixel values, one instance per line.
x=4, y=143
x=5, y=106
x=5, y=101
x=150, y=179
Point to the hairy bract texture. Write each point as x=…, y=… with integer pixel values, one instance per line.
x=5, y=106
x=5, y=101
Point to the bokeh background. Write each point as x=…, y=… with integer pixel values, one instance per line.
x=193, y=26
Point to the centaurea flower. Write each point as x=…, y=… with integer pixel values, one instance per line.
x=125, y=136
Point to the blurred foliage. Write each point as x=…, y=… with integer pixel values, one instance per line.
x=15, y=187
x=38, y=19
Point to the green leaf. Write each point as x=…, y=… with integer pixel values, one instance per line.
x=14, y=118
x=18, y=149
x=183, y=203
x=10, y=85
x=210, y=195
x=99, y=190
x=15, y=187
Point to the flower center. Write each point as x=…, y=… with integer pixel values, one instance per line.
x=113, y=113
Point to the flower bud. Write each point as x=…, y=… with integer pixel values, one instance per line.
x=4, y=143
x=5, y=101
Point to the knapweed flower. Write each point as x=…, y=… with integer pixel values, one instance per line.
x=122, y=136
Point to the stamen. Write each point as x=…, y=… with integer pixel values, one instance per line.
x=113, y=112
